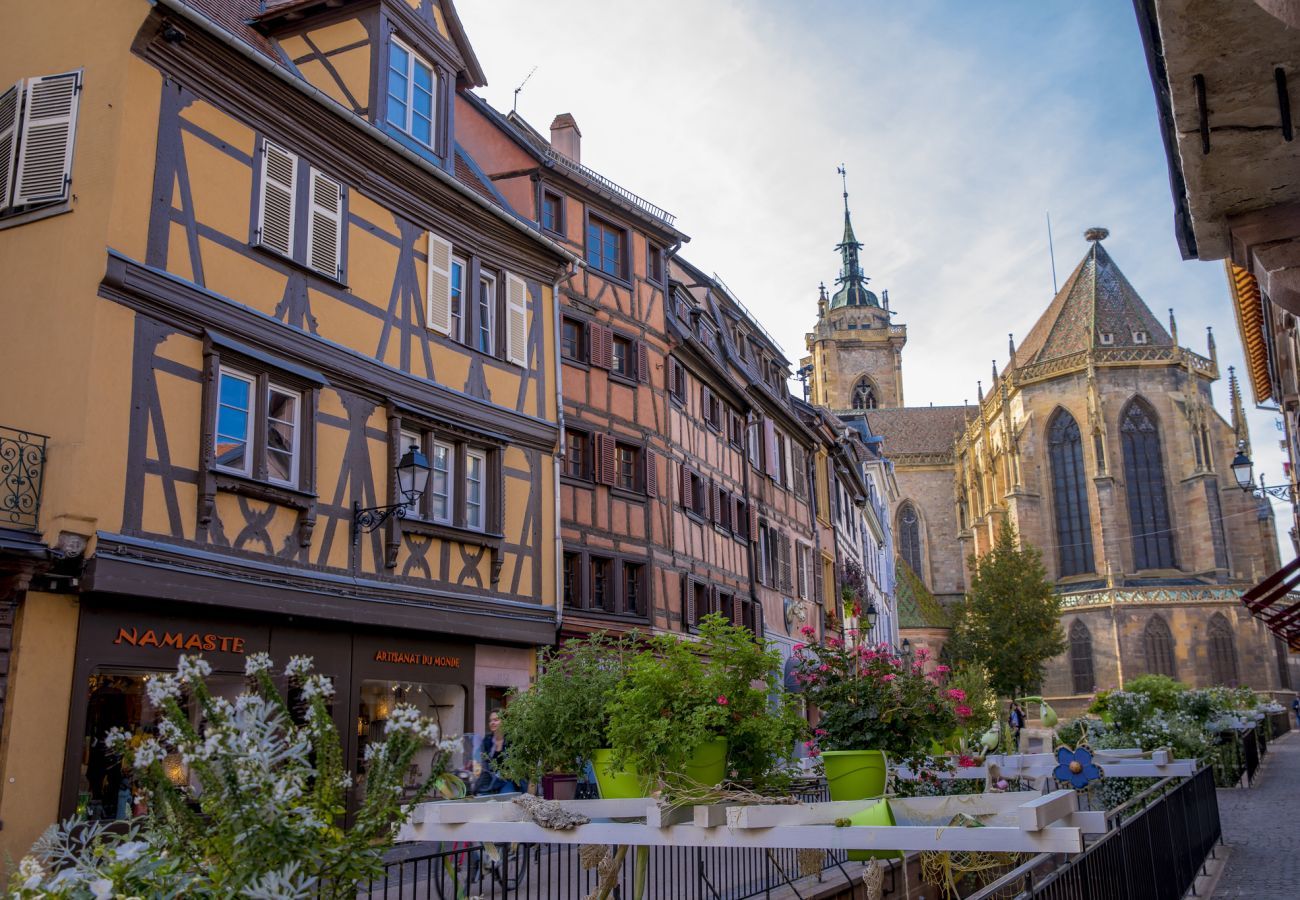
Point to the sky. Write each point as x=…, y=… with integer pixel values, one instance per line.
x=962, y=125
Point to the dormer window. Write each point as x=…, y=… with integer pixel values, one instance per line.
x=412, y=87
x=1139, y=337
x=1107, y=338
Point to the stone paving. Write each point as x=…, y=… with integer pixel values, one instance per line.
x=1261, y=825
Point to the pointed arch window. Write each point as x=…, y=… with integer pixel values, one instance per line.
x=1158, y=644
x=864, y=395
x=909, y=536
x=1223, y=651
x=1144, y=474
x=1070, y=495
x=1081, y=670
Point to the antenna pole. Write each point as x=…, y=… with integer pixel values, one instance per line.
x=1051, y=251
x=515, y=107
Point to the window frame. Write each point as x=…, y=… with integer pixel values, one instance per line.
x=654, y=262
x=583, y=602
x=471, y=455
x=586, y=467
x=301, y=223
x=487, y=301
x=628, y=372
x=557, y=226
x=462, y=448
x=435, y=85
x=584, y=341
x=623, y=235
x=257, y=448
x=458, y=310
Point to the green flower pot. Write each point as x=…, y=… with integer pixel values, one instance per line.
x=616, y=784
x=876, y=814
x=708, y=764
x=854, y=774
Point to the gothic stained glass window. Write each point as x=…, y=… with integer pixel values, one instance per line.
x=864, y=395
x=1158, y=643
x=1081, y=658
x=1223, y=651
x=1144, y=473
x=909, y=537
x=1070, y=495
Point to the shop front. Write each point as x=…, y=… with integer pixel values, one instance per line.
x=122, y=644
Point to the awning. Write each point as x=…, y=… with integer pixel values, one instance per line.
x=1272, y=602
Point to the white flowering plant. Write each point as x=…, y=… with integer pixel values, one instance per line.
x=250, y=804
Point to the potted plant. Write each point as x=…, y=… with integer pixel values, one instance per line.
x=560, y=722
x=874, y=706
x=696, y=713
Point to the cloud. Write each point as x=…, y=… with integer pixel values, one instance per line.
x=961, y=126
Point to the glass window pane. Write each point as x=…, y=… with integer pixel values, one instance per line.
x=444, y=703
x=421, y=128
x=423, y=81
x=235, y=391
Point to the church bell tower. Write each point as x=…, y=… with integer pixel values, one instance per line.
x=855, y=352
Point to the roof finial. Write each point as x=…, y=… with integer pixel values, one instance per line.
x=1011, y=350
x=844, y=181
x=1209, y=340
x=1096, y=234
x=979, y=390
x=1173, y=326
x=995, y=372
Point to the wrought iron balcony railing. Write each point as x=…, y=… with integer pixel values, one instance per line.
x=22, y=467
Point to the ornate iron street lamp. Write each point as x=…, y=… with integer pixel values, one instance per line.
x=1243, y=471
x=412, y=479
x=869, y=615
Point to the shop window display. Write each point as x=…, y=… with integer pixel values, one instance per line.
x=444, y=703
x=119, y=698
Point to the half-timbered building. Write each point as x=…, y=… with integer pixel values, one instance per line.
x=248, y=270
x=619, y=565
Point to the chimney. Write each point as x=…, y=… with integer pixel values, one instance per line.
x=566, y=139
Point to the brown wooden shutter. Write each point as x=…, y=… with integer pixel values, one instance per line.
x=818, y=587
x=605, y=458
x=801, y=571
x=607, y=347
x=642, y=363
x=651, y=473
x=787, y=582
x=753, y=520
x=738, y=609
x=685, y=476
x=716, y=497
x=670, y=370
x=688, y=602
x=706, y=487
x=705, y=393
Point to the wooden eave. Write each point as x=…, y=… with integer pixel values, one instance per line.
x=1248, y=306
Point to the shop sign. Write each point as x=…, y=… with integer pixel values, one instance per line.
x=179, y=640
x=409, y=658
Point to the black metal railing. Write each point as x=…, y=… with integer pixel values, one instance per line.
x=1251, y=753
x=1279, y=723
x=22, y=466
x=1156, y=847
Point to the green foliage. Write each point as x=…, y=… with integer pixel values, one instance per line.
x=557, y=723
x=1161, y=690
x=258, y=811
x=871, y=699
x=977, y=707
x=678, y=695
x=1010, y=621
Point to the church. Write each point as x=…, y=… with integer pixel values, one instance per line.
x=1100, y=442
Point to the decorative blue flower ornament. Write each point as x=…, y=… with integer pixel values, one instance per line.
x=1076, y=767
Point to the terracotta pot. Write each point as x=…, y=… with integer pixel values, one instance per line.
x=559, y=787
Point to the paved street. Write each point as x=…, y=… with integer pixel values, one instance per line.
x=1259, y=825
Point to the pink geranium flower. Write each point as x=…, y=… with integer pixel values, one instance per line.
x=964, y=711
x=966, y=762
x=956, y=694
x=722, y=700
x=890, y=677
x=942, y=670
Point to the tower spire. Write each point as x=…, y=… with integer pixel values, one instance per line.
x=853, y=284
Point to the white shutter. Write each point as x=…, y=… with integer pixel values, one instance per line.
x=275, y=209
x=325, y=225
x=10, y=100
x=516, y=320
x=438, y=311
x=45, y=142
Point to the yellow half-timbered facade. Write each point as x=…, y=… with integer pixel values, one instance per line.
x=247, y=272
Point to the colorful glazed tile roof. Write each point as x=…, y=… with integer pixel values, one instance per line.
x=1097, y=307
x=917, y=607
x=918, y=429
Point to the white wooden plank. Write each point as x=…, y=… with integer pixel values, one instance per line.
x=452, y=812
x=1087, y=821
x=712, y=815
x=1037, y=814
x=1054, y=839
x=658, y=817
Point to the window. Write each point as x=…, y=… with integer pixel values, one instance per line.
x=782, y=461
x=1081, y=658
x=38, y=124
x=1139, y=337
x=654, y=263
x=572, y=579
x=909, y=537
x=458, y=270
x=577, y=454
x=1223, y=651
x=1144, y=474
x=1158, y=643
x=278, y=211
x=411, y=90
x=552, y=212
x=712, y=408
x=1107, y=338
x=1070, y=495
x=605, y=244
x=602, y=595
x=864, y=395
x=723, y=509
x=755, y=445
x=741, y=520
x=624, y=357
x=627, y=460
x=487, y=313
x=573, y=340
x=676, y=380
x=632, y=593
x=737, y=430
x=242, y=401
x=475, y=466
x=699, y=600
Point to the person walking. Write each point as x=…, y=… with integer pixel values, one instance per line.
x=1016, y=719
x=491, y=751
x=1295, y=708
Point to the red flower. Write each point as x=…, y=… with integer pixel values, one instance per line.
x=722, y=700
x=966, y=762
x=964, y=711
x=942, y=669
x=956, y=694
